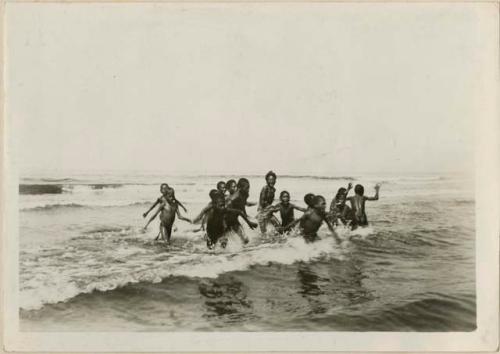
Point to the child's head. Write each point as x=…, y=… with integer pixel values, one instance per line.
x=221, y=186
x=219, y=201
x=359, y=189
x=319, y=202
x=213, y=193
x=271, y=178
x=170, y=194
x=163, y=188
x=341, y=194
x=308, y=199
x=285, y=197
x=231, y=186
x=243, y=185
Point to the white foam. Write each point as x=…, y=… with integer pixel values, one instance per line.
x=55, y=282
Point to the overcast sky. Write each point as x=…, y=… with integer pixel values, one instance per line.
x=237, y=88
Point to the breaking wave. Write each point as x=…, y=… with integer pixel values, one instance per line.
x=139, y=261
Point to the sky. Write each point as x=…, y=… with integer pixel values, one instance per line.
x=326, y=89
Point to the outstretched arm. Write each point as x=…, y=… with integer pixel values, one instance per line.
x=292, y=224
x=271, y=209
x=152, y=207
x=182, y=206
x=153, y=217
x=252, y=225
x=332, y=230
x=299, y=208
x=202, y=213
x=182, y=217
x=375, y=197
x=204, y=221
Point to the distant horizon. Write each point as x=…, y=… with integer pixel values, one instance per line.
x=59, y=173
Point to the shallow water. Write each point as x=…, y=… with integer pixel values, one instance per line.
x=85, y=263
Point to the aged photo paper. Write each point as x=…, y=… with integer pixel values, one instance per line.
x=250, y=176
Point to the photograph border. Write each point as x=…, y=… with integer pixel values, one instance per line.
x=484, y=338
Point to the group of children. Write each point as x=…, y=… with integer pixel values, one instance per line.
x=229, y=201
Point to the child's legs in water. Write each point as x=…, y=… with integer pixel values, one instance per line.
x=166, y=232
x=357, y=222
x=264, y=220
x=238, y=229
x=310, y=237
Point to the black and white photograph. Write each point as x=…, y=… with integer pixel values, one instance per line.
x=251, y=168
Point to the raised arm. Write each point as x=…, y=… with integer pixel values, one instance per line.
x=375, y=197
x=252, y=225
x=349, y=187
x=332, y=206
x=152, y=207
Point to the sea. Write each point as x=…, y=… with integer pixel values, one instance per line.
x=86, y=264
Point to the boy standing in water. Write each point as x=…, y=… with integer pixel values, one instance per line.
x=266, y=199
x=238, y=201
x=338, y=207
x=286, y=210
x=216, y=221
x=358, y=206
x=312, y=220
x=167, y=210
x=164, y=190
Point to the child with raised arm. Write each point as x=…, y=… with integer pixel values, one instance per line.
x=338, y=208
x=358, y=206
x=167, y=210
x=216, y=221
x=312, y=220
x=266, y=199
x=164, y=190
x=238, y=201
x=286, y=211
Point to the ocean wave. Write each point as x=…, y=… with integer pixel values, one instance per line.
x=332, y=178
x=55, y=207
x=136, y=264
x=58, y=180
x=70, y=206
x=105, y=185
x=431, y=312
